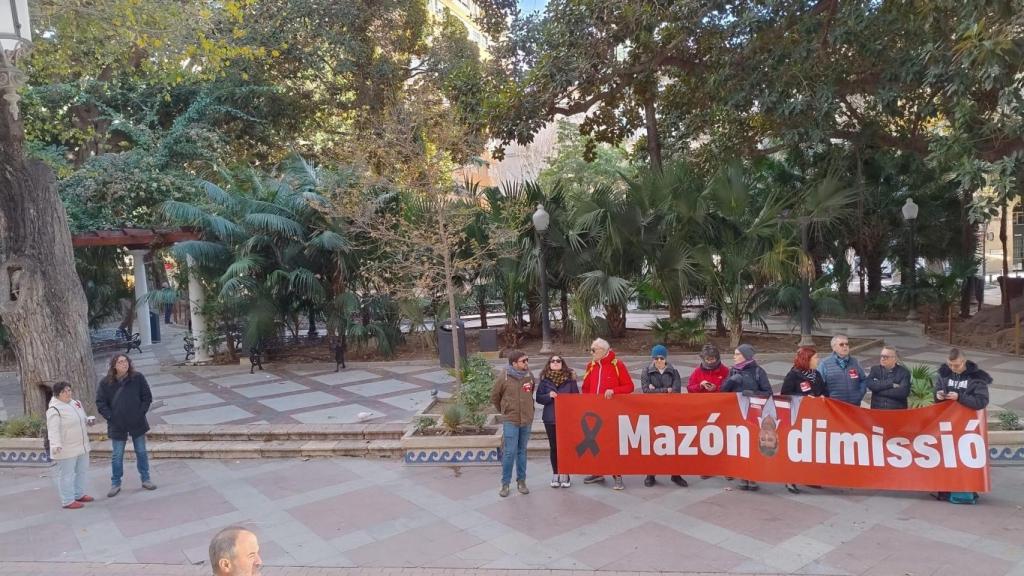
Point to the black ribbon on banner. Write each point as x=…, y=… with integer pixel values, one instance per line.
x=589, y=434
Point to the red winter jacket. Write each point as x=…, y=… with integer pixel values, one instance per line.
x=716, y=377
x=608, y=373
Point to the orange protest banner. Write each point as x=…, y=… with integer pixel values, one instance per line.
x=800, y=440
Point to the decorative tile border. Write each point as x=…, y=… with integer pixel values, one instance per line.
x=442, y=457
x=22, y=457
x=1006, y=455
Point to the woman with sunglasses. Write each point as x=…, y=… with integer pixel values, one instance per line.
x=555, y=379
x=661, y=377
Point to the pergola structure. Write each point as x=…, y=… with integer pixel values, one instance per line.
x=140, y=241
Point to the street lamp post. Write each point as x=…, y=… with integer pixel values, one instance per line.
x=910, y=215
x=15, y=42
x=541, y=220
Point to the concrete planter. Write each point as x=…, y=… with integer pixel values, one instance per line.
x=23, y=452
x=1006, y=447
x=470, y=450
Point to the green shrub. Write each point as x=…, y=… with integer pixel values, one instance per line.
x=453, y=417
x=689, y=331
x=24, y=427
x=922, y=392
x=423, y=423
x=477, y=382
x=1009, y=420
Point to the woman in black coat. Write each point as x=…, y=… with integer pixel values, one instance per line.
x=556, y=378
x=123, y=398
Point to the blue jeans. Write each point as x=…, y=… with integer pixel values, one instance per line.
x=70, y=477
x=515, y=440
x=117, y=459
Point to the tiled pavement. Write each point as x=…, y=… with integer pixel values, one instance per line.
x=362, y=513
x=369, y=514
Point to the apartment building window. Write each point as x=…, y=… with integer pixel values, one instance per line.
x=1018, y=214
x=1018, y=252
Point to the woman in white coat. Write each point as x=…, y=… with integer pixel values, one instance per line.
x=67, y=430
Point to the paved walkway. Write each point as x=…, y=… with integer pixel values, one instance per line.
x=368, y=513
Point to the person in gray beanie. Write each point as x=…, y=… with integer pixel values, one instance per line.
x=749, y=379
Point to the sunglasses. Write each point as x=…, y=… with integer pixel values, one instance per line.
x=556, y=360
x=842, y=343
x=659, y=357
x=887, y=356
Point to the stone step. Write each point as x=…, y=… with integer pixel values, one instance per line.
x=240, y=449
x=266, y=432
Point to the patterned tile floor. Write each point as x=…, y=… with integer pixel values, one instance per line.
x=367, y=514
x=364, y=513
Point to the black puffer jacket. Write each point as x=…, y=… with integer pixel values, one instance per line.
x=751, y=380
x=652, y=381
x=971, y=385
x=124, y=404
x=889, y=388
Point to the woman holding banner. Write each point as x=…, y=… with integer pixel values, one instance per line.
x=803, y=378
x=749, y=379
x=661, y=377
x=555, y=379
x=709, y=375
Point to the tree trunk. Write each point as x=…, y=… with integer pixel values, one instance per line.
x=1007, y=313
x=41, y=299
x=564, y=302
x=481, y=303
x=720, y=328
x=735, y=331
x=616, y=316
x=873, y=266
x=449, y=286
x=653, y=141
x=969, y=244
x=534, y=310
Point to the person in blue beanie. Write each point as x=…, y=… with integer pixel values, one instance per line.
x=661, y=377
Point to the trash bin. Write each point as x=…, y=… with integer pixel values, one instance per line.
x=154, y=326
x=444, y=344
x=488, y=339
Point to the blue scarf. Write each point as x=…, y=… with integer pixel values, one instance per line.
x=843, y=362
x=512, y=371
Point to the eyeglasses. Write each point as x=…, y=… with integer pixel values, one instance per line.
x=556, y=360
x=887, y=356
x=659, y=357
x=842, y=343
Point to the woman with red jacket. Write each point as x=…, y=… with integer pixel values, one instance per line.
x=606, y=375
x=708, y=377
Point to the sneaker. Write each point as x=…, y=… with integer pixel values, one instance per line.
x=593, y=479
x=566, y=481
x=504, y=491
x=555, y=482
x=744, y=485
x=114, y=491
x=521, y=486
x=618, y=483
x=649, y=481
x=74, y=505
x=679, y=481
x=85, y=498
x=752, y=486
x=149, y=485
x=792, y=489
x=729, y=478
x=704, y=477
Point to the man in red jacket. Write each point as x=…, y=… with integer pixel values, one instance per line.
x=608, y=376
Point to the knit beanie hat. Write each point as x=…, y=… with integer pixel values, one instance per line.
x=659, y=350
x=747, y=351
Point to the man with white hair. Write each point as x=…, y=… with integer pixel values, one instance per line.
x=844, y=379
x=606, y=375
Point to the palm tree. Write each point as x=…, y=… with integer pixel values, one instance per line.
x=750, y=253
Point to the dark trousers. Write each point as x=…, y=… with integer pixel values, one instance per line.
x=553, y=444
